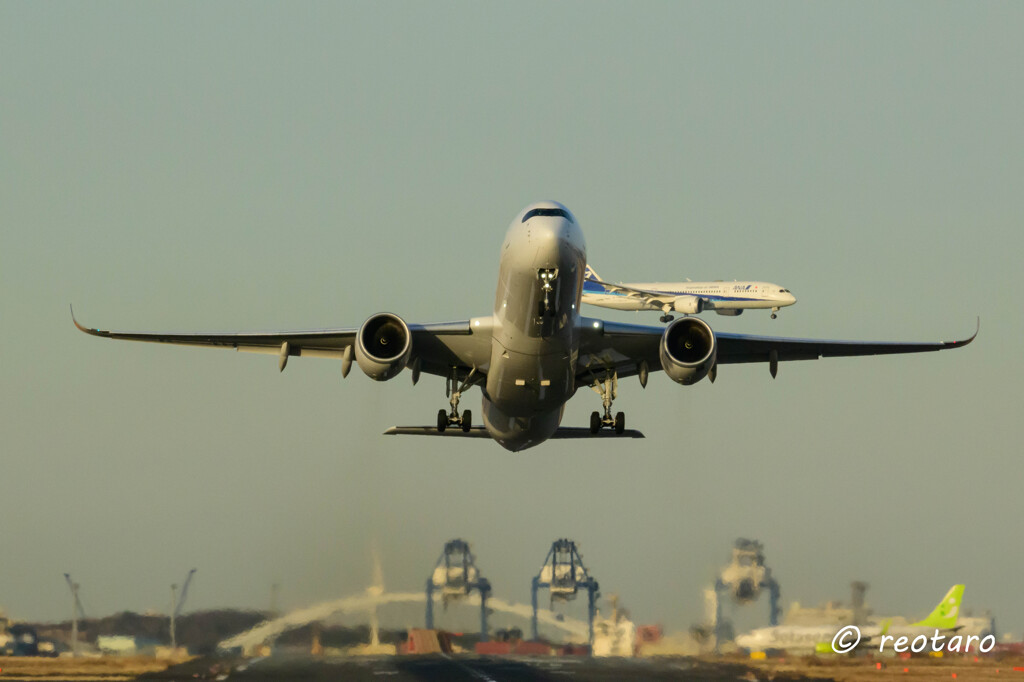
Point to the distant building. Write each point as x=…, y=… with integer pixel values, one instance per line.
x=830, y=613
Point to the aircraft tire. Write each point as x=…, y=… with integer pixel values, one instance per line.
x=442, y=421
x=620, y=422
x=595, y=422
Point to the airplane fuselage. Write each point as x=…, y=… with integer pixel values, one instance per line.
x=716, y=295
x=535, y=340
x=809, y=638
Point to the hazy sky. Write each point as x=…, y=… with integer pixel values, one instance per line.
x=242, y=166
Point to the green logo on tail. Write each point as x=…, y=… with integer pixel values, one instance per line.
x=946, y=613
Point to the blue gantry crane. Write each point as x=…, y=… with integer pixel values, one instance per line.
x=563, y=574
x=455, y=576
x=742, y=581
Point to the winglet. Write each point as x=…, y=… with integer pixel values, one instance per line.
x=964, y=342
x=87, y=330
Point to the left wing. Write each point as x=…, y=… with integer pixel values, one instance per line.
x=654, y=298
x=624, y=347
x=438, y=347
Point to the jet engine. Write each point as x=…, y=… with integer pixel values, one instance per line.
x=689, y=305
x=383, y=346
x=688, y=350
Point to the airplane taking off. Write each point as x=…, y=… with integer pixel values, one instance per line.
x=689, y=298
x=818, y=638
x=535, y=350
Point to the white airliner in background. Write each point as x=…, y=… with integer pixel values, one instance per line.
x=534, y=350
x=689, y=298
x=818, y=638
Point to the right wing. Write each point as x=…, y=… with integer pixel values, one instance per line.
x=613, y=346
x=439, y=347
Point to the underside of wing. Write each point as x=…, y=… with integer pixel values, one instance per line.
x=317, y=342
x=629, y=349
x=436, y=348
x=737, y=348
x=616, y=347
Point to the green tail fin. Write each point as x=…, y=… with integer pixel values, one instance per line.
x=945, y=615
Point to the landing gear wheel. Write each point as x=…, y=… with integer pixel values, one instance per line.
x=774, y=316
x=666, y=318
x=455, y=386
x=595, y=422
x=620, y=422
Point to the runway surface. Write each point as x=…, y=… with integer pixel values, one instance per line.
x=460, y=668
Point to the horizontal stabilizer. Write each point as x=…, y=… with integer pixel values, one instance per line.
x=454, y=432
x=481, y=432
x=581, y=432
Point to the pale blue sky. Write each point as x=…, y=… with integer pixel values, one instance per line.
x=198, y=166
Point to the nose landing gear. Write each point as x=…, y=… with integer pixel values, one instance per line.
x=774, y=310
x=453, y=389
x=608, y=389
x=547, y=279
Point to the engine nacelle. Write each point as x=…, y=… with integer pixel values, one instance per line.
x=688, y=305
x=383, y=346
x=688, y=350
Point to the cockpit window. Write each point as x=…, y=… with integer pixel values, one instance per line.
x=547, y=212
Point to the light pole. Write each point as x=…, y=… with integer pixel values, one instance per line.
x=174, y=608
x=76, y=607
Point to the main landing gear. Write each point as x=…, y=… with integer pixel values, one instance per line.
x=665, y=316
x=453, y=389
x=607, y=388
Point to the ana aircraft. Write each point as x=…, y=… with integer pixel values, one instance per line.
x=689, y=298
x=818, y=638
x=535, y=350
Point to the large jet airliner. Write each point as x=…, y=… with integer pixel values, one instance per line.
x=818, y=638
x=689, y=298
x=535, y=350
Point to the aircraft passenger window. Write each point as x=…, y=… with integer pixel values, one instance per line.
x=547, y=212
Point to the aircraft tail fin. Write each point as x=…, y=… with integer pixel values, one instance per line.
x=946, y=613
x=590, y=274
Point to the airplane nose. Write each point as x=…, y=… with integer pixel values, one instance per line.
x=552, y=241
x=791, y=298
